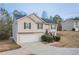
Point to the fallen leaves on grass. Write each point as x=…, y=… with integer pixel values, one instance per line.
x=6, y=45
x=69, y=39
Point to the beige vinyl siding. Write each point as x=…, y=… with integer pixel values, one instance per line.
x=33, y=26
x=36, y=19
x=46, y=26
x=21, y=25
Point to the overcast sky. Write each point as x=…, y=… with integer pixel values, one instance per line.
x=64, y=10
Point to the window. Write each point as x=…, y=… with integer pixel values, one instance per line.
x=53, y=26
x=78, y=24
x=40, y=26
x=27, y=25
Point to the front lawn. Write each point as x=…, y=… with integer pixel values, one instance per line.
x=6, y=45
x=69, y=39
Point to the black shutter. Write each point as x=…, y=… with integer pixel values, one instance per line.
x=29, y=25
x=51, y=26
x=24, y=25
x=41, y=26
x=38, y=26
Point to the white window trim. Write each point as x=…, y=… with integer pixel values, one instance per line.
x=27, y=26
x=40, y=26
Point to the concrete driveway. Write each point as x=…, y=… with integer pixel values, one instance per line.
x=38, y=48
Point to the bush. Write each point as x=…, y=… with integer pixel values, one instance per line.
x=4, y=35
x=56, y=38
x=65, y=30
x=73, y=29
x=46, y=38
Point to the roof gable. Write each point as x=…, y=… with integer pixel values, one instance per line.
x=37, y=19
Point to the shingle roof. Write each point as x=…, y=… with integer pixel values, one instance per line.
x=77, y=18
x=47, y=20
x=19, y=16
x=42, y=20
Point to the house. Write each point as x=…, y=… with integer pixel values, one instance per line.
x=30, y=28
x=70, y=24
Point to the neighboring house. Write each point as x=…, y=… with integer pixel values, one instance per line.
x=71, y=24
x=30, y=28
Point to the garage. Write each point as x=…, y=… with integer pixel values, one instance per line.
x=28, y=37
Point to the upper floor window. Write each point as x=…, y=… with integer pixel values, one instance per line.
x=78, y=23
x=27, y=25
x=40, y=26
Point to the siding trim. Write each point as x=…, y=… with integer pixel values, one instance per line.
x=29, y=32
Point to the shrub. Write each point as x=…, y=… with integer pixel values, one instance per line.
x=56, y=38
x=65, y=30
x=73, y=29
x=49, y=38
x=46, y=38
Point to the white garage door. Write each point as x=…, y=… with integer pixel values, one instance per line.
x=29, y=37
